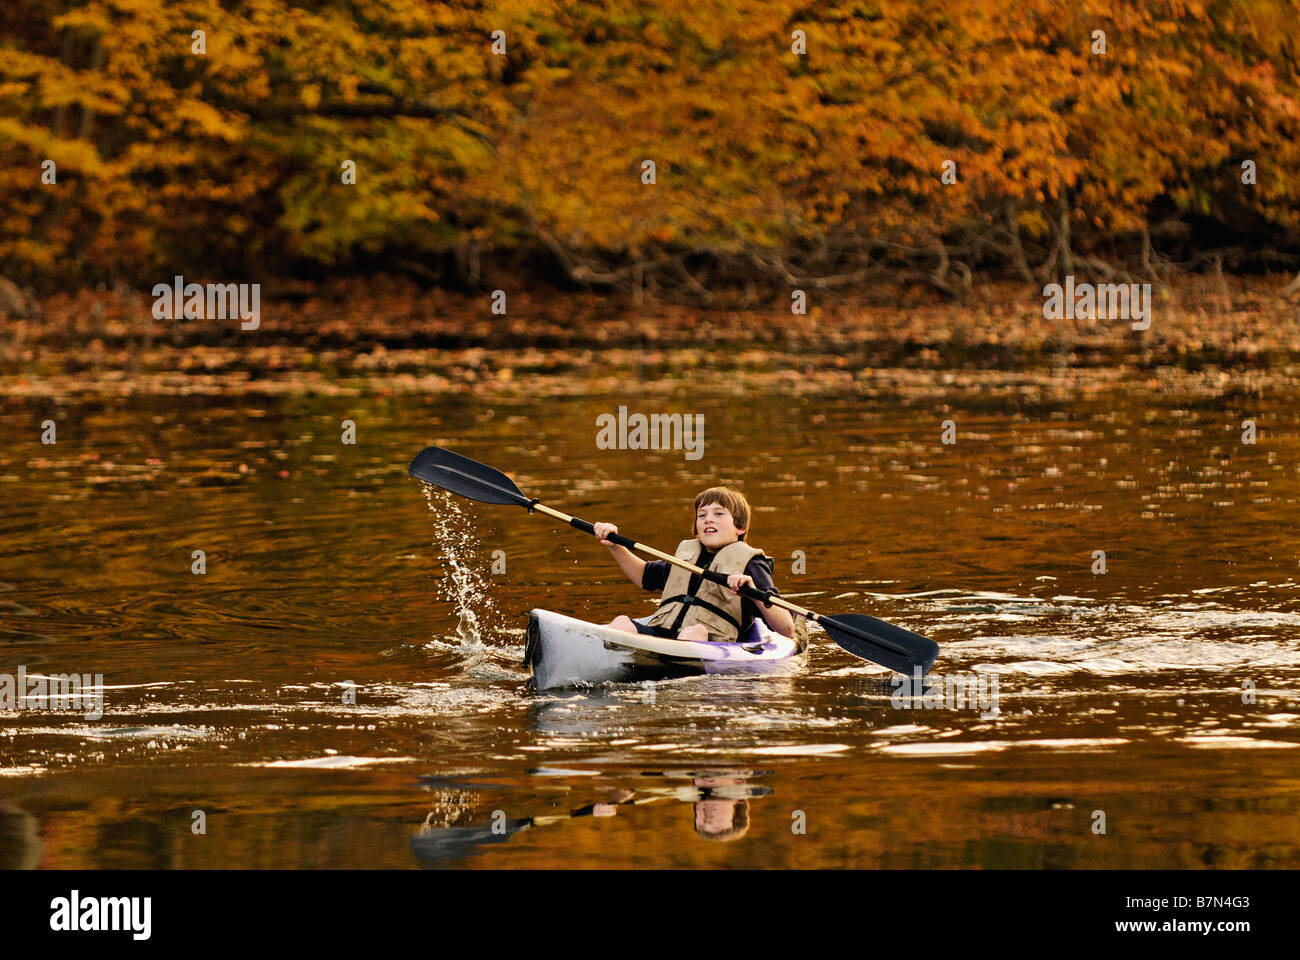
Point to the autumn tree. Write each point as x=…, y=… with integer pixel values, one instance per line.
x=678, y=147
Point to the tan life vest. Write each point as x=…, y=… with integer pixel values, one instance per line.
x=713, y=605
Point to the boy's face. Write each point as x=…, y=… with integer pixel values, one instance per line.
x=715, y=527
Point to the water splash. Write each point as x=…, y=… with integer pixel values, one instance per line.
x=465, y=587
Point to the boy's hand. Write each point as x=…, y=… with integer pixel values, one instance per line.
x=738, y=580
x=603, y=530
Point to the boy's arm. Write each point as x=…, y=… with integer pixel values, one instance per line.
x=632, y=565
x=778, y=618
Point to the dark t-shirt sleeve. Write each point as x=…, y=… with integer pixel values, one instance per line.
x=655, y=576
x=760, y=571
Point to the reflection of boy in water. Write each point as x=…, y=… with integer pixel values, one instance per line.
x=721, y=801
x=722, y=812
x=717, y=819
x=721, y=804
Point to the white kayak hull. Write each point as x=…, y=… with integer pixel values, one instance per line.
x=565, y=652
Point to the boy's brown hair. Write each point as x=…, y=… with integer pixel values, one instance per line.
x=733, y=500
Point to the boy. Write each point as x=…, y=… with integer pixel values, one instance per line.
x=692, y=608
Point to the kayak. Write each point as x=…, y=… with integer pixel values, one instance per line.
x=566, y=652
x=865, y=637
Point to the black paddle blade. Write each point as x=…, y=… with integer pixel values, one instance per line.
x=466, y=477
x=880, y=642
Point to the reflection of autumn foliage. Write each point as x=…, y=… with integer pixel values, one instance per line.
x=889, y=817
x=818, y=170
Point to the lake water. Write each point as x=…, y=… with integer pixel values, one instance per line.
x=1160, y=697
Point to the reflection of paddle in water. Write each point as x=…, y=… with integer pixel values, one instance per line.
x=721, y=806
x=20, y=841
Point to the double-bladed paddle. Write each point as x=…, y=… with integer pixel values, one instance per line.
x=863, y=636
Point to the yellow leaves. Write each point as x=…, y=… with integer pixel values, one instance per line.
x=208, y=120
x=1033, y=222
x=70, y=155
x=92, y=17
x=57, y=85
x=655, y=35
x=1283, y=105
x=753, y=144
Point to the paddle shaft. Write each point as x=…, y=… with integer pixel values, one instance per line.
x=753, y=593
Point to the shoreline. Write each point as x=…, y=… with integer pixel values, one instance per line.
x=347, y=337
